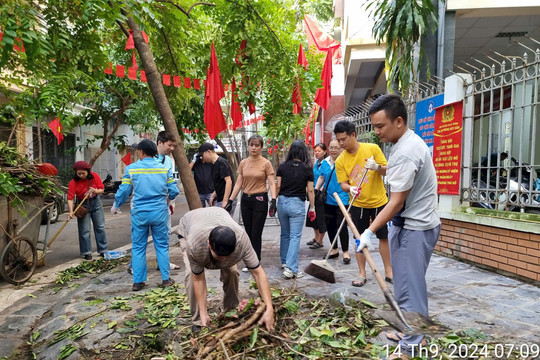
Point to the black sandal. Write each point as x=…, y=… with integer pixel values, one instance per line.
x=311, y=242
x=316, y=246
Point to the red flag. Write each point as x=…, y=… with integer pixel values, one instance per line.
x=56, y=128
x=18, y=46
x=236, y=111
x=109, y=69
x=120, y=71
x=134, y=60
x=143, y=76
x=213, y=115
x=176, y=81
x=187, y=83
x=322, y=97
x=251, y=105
x=322, y=41
x=307, y=130
x=166, y=79
x=297, y=98
x=241, y=56
x=130, y=44
x=145, y=37
x=127, y=159
x=197, y=84
x=313, y=133
x=132, y=73
x=302, y=58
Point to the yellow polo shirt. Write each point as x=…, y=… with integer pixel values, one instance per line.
x=350, y=168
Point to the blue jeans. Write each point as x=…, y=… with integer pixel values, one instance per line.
x=291, y=214
x=141, y=223
x=95, y=213
x=205, y=199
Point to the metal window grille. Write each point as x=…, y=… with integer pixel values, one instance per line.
x=505, y=134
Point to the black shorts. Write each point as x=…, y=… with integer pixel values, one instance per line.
x=319, y=223
x=362, y=218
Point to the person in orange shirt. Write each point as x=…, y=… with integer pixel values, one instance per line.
x=350, y=166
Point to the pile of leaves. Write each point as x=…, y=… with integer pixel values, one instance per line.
x=87, y=268
x=20, y=177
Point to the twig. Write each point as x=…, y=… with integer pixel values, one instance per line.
x=231, y=333
x=186, y=12
x=310, y=324
x=169, y=48
x=299, y=353
x=224, y=349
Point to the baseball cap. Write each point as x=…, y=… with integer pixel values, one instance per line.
x=147, y=146
x=205, y=147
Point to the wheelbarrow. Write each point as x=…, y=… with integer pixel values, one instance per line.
x=19, y=234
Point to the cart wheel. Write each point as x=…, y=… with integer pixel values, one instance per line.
x=18, y=261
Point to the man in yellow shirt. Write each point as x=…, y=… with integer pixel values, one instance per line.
x=350, y=166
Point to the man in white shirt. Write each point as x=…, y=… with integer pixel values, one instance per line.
x=413, y=200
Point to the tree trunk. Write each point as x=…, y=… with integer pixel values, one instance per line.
x=107, y=137
x=162, y=104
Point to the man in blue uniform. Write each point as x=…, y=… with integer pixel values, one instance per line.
x=152, y=184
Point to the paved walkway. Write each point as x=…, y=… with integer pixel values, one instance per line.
x=461, y=296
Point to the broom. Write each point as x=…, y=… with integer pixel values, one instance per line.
x=41, y=254
x=321, y=269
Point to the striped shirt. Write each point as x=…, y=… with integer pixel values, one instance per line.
x=196, y=226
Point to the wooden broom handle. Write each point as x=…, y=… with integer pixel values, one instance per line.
x=365, y=250
x=67, y=220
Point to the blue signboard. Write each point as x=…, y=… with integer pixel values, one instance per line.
x=425, y=118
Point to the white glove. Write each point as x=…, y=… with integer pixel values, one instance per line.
x=366, y=240
x=115, y=210
x=353, y=190
x=194, y=157
x=372, y=165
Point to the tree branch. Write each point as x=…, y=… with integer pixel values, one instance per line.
x=169, y=48
x=199, y=3
x=175, y=5
x=235, y=2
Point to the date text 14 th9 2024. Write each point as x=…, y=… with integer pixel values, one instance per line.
x=468, y=351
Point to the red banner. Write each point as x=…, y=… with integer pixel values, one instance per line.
x=447, y=147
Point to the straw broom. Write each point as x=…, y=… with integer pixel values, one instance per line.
x=41, y=254
x=321, y=269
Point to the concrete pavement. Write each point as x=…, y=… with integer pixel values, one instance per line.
x=461, y=296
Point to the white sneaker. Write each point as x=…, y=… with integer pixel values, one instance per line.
x=283, y=266
x=288, y=274
x=245, y=269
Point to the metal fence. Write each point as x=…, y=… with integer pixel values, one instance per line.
x=504, y=155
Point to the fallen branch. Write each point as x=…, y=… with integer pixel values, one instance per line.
x=227, y=336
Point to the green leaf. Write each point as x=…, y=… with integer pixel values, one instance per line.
x=314, y=332
x=253, y=336
x=341, y=329
x=360, y=339
x=368, y=303
x=111, y=324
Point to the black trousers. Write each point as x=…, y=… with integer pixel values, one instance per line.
x=333, y=217
x=254, y=208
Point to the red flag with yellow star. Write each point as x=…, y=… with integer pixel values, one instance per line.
x=56, y=128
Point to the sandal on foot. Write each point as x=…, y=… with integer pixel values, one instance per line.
x=359, y=283
x=388, y=279
x=331, y=256
x=394, y=336
x=311, y=242
x=316, y=246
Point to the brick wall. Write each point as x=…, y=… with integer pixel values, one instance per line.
x=515, y=252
